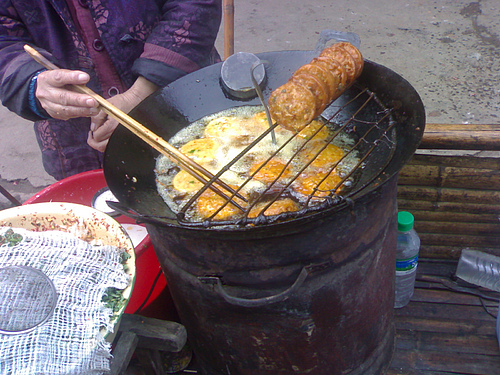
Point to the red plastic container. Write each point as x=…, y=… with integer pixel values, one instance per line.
x=150, y=296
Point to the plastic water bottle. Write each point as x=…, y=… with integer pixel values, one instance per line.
x=481, y=269
x=408, y=247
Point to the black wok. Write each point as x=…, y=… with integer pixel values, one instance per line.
x=129, y=162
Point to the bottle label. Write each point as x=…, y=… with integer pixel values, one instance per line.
x=406, y=266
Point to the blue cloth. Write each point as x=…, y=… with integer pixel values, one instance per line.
x=33, y=102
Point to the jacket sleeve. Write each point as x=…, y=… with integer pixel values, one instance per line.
x=182, y=42
x=16, y=66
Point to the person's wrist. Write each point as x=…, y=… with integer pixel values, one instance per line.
x=142, y=88
x=33, y=102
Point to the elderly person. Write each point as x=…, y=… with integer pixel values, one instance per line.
x=123, y=50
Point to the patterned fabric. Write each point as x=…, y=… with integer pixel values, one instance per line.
x=160, y=40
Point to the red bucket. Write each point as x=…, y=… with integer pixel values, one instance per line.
x=150, y=296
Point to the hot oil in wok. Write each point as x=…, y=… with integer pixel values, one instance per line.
x=299, y=163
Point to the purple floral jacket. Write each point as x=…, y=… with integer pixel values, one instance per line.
x=161, y=40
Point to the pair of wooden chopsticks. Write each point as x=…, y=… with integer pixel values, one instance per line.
x=158, y=143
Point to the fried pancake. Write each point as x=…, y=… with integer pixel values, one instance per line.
x=315, y=126
x=316, y=86
x=293, y=104
x=337, y=70
x=201, y=150
x=209, y=202
x=277, y=207
x=321, y=73
x=355, y=53
x=323, y=155
x=271, y=171
x=342, y=56
x=221, y=126
x=185, y=182
x=312, y=183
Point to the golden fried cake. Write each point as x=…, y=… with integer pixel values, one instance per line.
x=293, y=104
x=221, y=126
x=312, y=183
x=186, y=183
x=277, y=207
x=271, y=171
x=209, y=202
x=201, y=150
x=315, y=126
x=329, y=154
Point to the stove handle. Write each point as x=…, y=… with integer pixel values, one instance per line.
x=255, y=302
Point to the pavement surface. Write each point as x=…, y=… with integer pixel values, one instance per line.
x=449, y=50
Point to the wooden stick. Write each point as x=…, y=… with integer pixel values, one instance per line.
x=143, y=133
x=228, y=6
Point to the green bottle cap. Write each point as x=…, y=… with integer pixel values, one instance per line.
x=405, y=221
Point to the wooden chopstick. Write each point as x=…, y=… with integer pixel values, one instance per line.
x=155, y=141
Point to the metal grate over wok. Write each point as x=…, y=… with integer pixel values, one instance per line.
x=359, y=115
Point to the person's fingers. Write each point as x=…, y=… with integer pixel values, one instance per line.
x=99, y=146
x=63, y=77
x=57, y=98
x=68, y=112
x=98, y=137
x=98, y=120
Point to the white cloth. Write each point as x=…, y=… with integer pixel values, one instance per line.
x=70, y=342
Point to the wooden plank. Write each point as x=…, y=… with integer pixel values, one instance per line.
x=436, y=267
x=459, y=240
x=443, y=312
x=445, y=325
x=155, y=333
x=459, y=217
x=445, y=296
x=451, y=227
x=422, y=362
x=461, y=137
x=450, y=208
x=438, y=194
x=452, y=252
x=123, y=352
x=453, y=160
x=447, y=342
x=449, y=177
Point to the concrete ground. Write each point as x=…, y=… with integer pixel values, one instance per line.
x=449, y=50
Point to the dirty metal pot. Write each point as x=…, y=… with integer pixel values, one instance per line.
x=316, y=301
x=310, y=295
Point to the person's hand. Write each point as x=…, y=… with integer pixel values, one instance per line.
x=58, y=100
x=102, y=125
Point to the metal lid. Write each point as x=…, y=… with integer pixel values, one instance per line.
x=236, y=74
x=27, y=299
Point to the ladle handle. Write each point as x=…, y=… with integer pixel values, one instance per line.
x=255, y=302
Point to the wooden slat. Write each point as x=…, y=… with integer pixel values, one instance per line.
x=449, y=207
x=461, y=136
x=459, y=217
x=452, y=252
x=450, y=177
x=437, y=194
x=459, y=240
x=455, y=160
